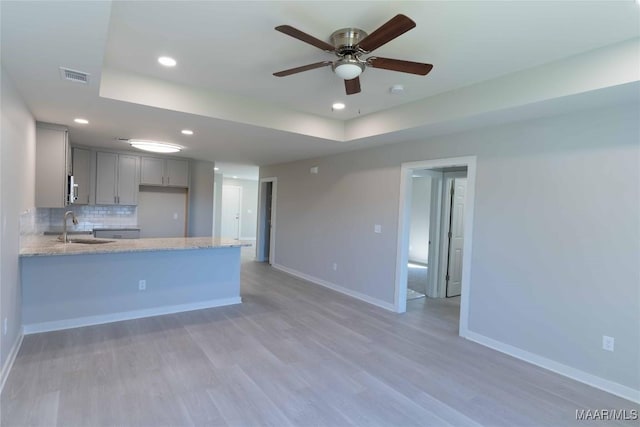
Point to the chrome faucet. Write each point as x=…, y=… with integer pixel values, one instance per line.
x=65, y=239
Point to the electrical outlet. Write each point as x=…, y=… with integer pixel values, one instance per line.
x=377, y=228
x=335, y=266
x=5, y=326
x=142, y=285
x=608, y=343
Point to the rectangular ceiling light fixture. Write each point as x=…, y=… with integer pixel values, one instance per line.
x=74, y=75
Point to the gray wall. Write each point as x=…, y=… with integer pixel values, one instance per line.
x=17, y=194
x=201, y=199
x=420, y=212
x=249, y=219
x=556, y=234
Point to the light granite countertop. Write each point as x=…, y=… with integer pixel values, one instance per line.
x=40, y=245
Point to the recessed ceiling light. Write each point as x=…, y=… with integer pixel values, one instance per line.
x=234, y=177
x=396, y=89
x=154, y=146
x=81, y=121
x=338, y=106
x=187, y=132
x=216, y=169
x=167, y=61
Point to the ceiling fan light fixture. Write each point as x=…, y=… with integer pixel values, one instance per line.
x=348, y=68
x=154, y=146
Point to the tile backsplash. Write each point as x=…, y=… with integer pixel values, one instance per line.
x=39, y=220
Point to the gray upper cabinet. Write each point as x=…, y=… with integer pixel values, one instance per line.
x=128, y=179
x=116, y=179
x=53, y=163
x=164, y=172
x=177, y=173
x=151, y=171
x=82, y=174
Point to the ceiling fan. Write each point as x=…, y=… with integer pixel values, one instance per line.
x=350, y=44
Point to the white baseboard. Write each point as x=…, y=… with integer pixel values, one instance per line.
x=127, y=315
x=337, y=288
x=559, y=368
x=8, y=364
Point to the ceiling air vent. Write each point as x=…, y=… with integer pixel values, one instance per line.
x=74, y=75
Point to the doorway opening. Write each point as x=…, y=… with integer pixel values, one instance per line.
x=434, y=234
x=265, y=243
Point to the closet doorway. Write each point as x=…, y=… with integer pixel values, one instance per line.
x=436, y=233
x=265, y=244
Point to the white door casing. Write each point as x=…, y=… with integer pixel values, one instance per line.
x=264, y=228
x=400, y=298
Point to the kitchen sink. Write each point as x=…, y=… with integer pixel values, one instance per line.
x=90, y=241
x=86, y=241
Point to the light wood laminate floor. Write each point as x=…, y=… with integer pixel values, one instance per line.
x=293, y=354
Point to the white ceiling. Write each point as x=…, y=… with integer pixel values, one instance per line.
x=227, y=51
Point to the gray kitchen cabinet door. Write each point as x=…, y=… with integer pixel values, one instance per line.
x=106, y=178
x=177, y=173
x=51, y=167
x=151, y=171
x=82, y=174
x=127, y=180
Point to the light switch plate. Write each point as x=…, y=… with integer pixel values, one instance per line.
x=377, y=228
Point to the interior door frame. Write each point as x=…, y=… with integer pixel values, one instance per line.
x=404, y=221
x=260, y=256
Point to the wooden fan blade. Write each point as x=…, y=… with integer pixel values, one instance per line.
x=352, y=86
x=301, y=69
x=395, y=27
x=398, y=65
x=297, y=34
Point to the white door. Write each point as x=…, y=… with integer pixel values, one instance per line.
x=231, y=199
x=456, y=243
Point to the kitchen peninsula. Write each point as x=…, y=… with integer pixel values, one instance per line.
x=79, y=284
